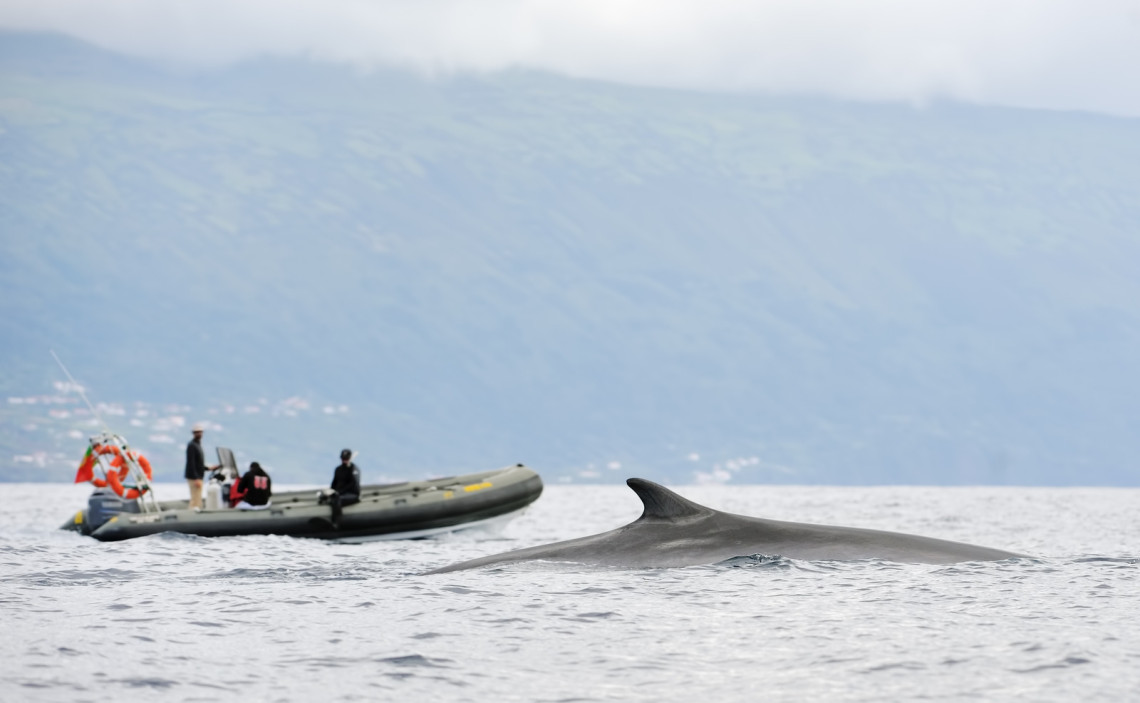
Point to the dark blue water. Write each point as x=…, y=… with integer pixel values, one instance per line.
x=269, y=618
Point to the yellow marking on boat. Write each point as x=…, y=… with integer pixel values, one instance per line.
x=448, y=494
x=79, y=518
x=477, y=486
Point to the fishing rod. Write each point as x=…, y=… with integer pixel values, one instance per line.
x=132, y=460
x=82, y=395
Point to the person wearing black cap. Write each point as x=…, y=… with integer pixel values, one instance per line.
x=345, y=485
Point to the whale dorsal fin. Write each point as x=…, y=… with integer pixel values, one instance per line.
x=662, y=503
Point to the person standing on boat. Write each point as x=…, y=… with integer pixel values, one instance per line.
x=252, y=492
x=196, y=466
x=345, y=485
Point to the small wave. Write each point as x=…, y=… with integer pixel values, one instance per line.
x=1012, y=565
x=282, y=573
x=907, y=665
x=146, y=682
x=1063, y=664
x=171, y=535
x=1108, y=561
x=79, y=577
x=416, y=660
x=776, y=561
x=757, y=561
x=592, y=617
x=406, y=661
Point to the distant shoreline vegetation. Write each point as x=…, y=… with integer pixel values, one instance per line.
x=54, y=428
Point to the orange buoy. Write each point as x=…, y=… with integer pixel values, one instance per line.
x=118, y=487
x=115, y=478
x=120, y=463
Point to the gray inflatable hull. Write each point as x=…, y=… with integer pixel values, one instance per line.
x=392, y=511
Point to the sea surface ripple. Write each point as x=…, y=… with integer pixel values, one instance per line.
x=280, y=619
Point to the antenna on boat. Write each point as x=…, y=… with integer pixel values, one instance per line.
x=79, y=388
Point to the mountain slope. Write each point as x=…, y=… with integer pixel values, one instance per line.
x=521, y=267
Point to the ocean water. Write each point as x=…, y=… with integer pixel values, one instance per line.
x=280, y=619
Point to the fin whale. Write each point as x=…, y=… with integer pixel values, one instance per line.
x=675, y=531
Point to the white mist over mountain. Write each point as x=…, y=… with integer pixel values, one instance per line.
x=1055, y=54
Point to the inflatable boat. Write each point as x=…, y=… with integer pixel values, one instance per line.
x=409, y=510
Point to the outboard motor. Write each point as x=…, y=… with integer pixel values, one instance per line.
x=102, y=505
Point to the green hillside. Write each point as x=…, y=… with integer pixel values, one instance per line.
x=479, y=270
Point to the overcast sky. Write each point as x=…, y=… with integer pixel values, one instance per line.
x=1066, y=54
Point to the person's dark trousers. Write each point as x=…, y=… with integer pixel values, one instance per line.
x=339, y=502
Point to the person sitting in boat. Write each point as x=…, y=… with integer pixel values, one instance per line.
x=345, y=486
x=252, y=492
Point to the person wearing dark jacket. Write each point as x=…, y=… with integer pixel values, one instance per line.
x=345, y=485
x=252, y=492
x=196, y=467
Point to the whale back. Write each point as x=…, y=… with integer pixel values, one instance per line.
x=674, y=531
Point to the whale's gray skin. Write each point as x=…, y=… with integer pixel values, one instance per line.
x=674, y=531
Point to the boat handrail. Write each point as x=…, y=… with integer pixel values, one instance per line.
x=147, y=501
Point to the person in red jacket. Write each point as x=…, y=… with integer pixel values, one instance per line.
x=254, y=489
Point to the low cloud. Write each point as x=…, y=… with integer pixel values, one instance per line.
x=1060, y=54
